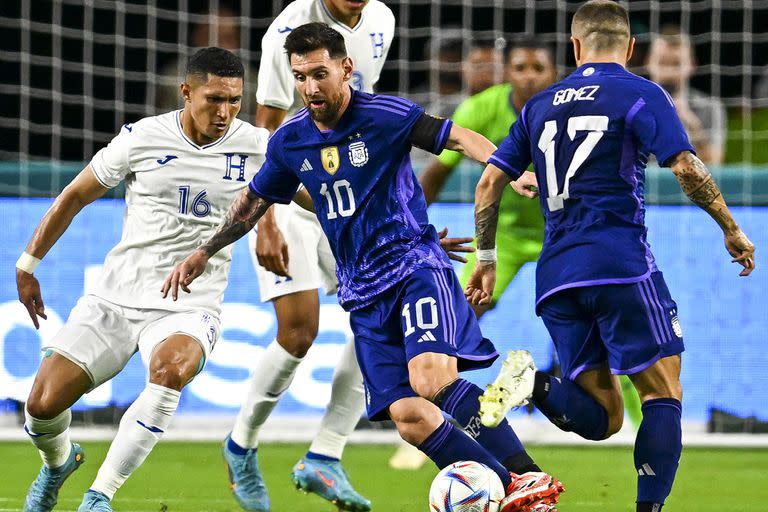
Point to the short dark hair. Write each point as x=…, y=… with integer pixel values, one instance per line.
x=530, y=43
x=315, y=36
x=216, y=61
x=603, y=24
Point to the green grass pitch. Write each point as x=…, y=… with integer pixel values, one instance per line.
x=192, y=477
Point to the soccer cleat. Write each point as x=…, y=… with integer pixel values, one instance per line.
x=543, y=507
x=511, y=389
x=531, y=492
x=44, y=491
x=245, y=479
x=94, y=501
x=328, y=480
x=407, y=457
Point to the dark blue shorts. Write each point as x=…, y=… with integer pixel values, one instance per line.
x=631, y=326
x=425, y=312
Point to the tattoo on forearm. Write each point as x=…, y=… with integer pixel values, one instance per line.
x=486, y=221
x=241, y=217
x=695, y=180
x=701, y=189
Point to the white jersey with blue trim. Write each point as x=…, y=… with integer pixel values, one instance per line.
x=176, y=195
x=367, y=45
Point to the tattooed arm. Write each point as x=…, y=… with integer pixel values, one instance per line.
x=701, y=189
x=241, y=217
x=487, y=198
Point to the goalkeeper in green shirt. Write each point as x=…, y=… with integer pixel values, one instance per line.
x=529, y=69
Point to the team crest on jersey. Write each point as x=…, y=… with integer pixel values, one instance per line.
x=358, y=154
x=330, y=158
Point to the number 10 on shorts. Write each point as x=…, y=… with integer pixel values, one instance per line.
x=425, y=310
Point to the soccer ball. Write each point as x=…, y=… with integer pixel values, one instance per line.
x=466, y=486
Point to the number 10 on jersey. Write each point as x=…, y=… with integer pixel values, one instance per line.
x=342, y=201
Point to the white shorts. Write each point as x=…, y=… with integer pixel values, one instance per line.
x=101, y=336
x=311, y=264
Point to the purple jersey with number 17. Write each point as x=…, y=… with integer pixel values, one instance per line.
x=589, y=137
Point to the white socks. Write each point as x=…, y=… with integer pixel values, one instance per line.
x=271, y=378
x=51, y=437
x=142, y=425
x=345, y=408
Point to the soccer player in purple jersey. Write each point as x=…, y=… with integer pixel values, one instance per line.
x=414, y=330
x=598, y=289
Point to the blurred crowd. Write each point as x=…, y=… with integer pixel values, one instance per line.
x=461, y=67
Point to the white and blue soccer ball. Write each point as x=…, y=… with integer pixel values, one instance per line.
x=466, y=486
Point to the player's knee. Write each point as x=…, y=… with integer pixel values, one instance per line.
x=43, y=405
x=297, y=340
x=172, y=374
x=415, y=421
x=427, y=385
x=615, y=421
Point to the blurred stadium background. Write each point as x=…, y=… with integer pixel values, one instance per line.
x=73, y=72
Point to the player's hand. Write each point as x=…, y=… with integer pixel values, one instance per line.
x=479, y=290
x=184, y=273
x=29, y=295
x=742, y=251
x=454, y=245
x=271, y=249
x=526, y=185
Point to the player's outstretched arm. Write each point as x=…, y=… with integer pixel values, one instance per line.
x=487, y=199
x=83, y=190
x=701, y=189
x=241, y=217
x=472, y=144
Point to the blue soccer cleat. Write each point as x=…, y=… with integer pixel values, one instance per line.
x=245, y=479
x=327, y=479
x=44, y=491
x=94, y=501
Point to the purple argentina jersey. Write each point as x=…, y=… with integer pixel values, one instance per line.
x=366, y=195
x=589, y=137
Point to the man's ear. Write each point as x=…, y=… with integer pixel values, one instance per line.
x=186, y=91
x=346, y=63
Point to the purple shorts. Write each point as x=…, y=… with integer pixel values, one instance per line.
x=631, y=326
x=425, y=312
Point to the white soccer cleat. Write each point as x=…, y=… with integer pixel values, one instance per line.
x=511, y=389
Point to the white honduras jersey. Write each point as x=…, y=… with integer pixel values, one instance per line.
x=176, y=194
x=367, y=45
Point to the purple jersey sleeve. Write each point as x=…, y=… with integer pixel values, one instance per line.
x=274, y=181
x=658, y=127
x=513, y=155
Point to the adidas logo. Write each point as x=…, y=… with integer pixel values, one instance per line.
x=645, y=470
x=306, y=166
x=427, y=336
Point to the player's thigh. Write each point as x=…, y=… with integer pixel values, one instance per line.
x=435, y=318
x=574, y=332
x=429, y=372
x=176, y=345
x=58, y=384
x=99, y=337
x=660, y=380
x=380, y=354
x=638, y=323
x=302, y=236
